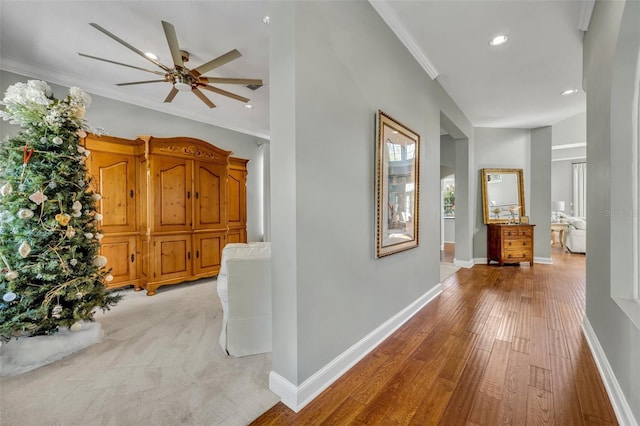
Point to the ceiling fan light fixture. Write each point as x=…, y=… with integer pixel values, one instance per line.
x=248, y=106
x=498, y=40
x=182, y=84
x=151, y=56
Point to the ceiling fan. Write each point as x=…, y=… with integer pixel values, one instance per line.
x=180, y=77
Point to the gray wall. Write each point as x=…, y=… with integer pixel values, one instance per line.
x=561, y=183
x=329, y=290
x=129, y=121
x=540, y=188
x=447, y=151
x=570, y=130
x=498, y=148
x=611, y=256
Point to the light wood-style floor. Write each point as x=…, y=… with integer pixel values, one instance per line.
x=498, y=346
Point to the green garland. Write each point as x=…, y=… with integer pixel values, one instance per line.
x=51, y=273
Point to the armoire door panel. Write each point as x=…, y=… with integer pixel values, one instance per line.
x=208, y=251
x=115, y=181
x=121, y=258
x=172, y=194
x=210, y=196
x=234, y=201
x=172, y=257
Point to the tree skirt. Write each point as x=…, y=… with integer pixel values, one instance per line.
x=28, y=353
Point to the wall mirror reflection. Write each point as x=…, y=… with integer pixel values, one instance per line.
x=503, y=195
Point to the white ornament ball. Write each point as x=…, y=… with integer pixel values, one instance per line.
x=77, y=213
x=56, y=311
x=6, y=189
x=95, y=196
x=11, y=275
x=24, y=249
x=76, y=326
x=9, y=296
x=88, y=235
x=79, y=295
x=100, y=261
x=57, y=140
x=73, y=262
x=25, y=213
x=80, y=149
x=108, y=278
x=77, y=206
x=99, y=236
x=97, y=216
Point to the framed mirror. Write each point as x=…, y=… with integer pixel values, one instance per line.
x=397, y=186
x=503, y=195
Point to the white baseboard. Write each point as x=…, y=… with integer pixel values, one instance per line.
x=543, y=260
x=296, y=397
x=618, y=400
x=464, y=263
x=480, y=260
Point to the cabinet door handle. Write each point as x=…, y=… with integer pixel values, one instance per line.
x=188, y=195
x=197, y=254
x=131, y=193
x=189, y=255
x=197, y=195
x=133, y=258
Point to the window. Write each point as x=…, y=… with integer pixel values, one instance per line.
x=449, y=196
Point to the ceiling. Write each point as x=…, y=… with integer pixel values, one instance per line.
x=517, y=84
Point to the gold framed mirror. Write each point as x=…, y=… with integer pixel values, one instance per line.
x=503, y=195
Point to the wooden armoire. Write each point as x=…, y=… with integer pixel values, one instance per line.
x=169, y=206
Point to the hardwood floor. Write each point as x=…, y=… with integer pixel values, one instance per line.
x=498, y=346
x=448, y=253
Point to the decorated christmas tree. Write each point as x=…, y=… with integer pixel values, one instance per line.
x=51, y=275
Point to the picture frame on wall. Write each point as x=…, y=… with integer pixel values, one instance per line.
x=397, y=186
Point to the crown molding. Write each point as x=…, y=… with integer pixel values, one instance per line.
x=63, y=79
x=585, y=14
x=392, y=20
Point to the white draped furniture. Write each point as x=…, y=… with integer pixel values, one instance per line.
x=577, y=238
x=244, y=287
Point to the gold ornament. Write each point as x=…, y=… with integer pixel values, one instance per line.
x=63, y=219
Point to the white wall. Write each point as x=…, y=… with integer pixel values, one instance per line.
x=129, y=121
x=610, y=67
x=329, y=290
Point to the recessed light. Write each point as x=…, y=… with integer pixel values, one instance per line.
x=498, y=40
x=248, y=106
x=151, y=56
x=266, y=20
x=569, y=92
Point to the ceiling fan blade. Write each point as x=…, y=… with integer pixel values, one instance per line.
x=172, y=94
x=223, y=80
x=120, y=63
x=172, y=40
x=225, y=93
x=202, y=97
x=141, y=82
x=124, y=43
x=215, y=63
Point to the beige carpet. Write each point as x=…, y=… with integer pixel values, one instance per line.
x=159, y=364
x=446, y=270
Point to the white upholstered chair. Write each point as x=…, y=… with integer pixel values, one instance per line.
x=244, y=287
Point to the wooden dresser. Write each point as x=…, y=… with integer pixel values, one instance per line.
x=510, y=243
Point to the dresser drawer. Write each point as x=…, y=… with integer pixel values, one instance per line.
x=516, y=243
x=516, y=231
x=518, y=255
